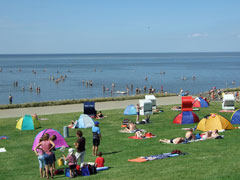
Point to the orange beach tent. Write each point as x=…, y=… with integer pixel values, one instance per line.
x=214, y=121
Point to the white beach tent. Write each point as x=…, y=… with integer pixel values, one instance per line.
x=153, y=99
x=228, y=102
x=146, y=106
x=84, y=121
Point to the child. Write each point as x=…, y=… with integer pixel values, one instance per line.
x=40, y=155
x=72, y=161
x=99, y=160
x=53, y=138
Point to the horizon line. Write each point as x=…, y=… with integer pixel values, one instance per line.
x=102, y=53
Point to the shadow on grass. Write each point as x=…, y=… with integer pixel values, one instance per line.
x=114, y=152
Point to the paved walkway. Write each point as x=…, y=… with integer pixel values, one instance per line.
x=7, y=113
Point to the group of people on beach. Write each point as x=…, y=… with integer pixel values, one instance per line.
x=46, y=155
x=218, y=94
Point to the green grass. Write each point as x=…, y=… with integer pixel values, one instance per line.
x=206, y=160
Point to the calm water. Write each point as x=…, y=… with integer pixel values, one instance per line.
x=210, y=69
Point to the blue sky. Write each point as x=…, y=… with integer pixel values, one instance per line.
x=109, y=26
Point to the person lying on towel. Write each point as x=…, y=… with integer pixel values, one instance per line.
x=131, y=128
x=140, y=134
x=177, y=140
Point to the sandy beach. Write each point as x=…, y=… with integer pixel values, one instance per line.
x=7, y=113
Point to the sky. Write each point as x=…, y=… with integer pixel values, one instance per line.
x=123, y=26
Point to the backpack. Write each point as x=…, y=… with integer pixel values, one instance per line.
x=92, y=169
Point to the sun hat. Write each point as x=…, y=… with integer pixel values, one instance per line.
x=71, y=151
x=96, y=123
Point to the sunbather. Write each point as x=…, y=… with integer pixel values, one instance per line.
x=207, y=135
x=100, y=115
x=131, y=128
x=215, y=134
x=71, y=125
x=140, y=134
x=177, y=140
x=189, y=135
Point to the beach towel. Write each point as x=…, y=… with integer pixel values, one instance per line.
x=3, y=137
x=154, y=157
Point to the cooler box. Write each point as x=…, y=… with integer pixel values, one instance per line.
x=146, y=106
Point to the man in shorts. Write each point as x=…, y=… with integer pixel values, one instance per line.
x=96, y=138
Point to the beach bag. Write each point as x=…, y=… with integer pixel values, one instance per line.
x=92, y=169
x=60, y=162
x=176, y=152
x=85, y=171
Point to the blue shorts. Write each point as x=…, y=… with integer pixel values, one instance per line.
x=48, y=159
x=41, y=161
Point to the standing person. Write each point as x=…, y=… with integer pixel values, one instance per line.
x=40, y=154
x=10, y=99
x=131, y=87
x=72, y=161
x=53, y=138
x=138, y=113
x=99, y=160
x=96, y=138
x=47, y=146
x=80, y=147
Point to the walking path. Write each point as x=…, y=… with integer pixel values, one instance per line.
x=7, y=113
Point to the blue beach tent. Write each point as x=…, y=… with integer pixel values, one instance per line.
x=130, y=110
x=84, y=121
x=235, y=119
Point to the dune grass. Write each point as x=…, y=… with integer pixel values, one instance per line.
x=206, y=160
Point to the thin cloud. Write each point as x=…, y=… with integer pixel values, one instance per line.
x=198, y=35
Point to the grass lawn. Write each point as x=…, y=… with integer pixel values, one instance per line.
x=209, y=160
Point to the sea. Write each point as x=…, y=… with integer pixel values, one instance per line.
x=64, y=76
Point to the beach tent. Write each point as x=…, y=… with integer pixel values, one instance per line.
x=235, y=119
x=214, y=121
x=84, y=121
x=186, y=117
x=89, y=109
x=59, y=142
x=200, y=102
x=27, y=123
x=130, y=110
